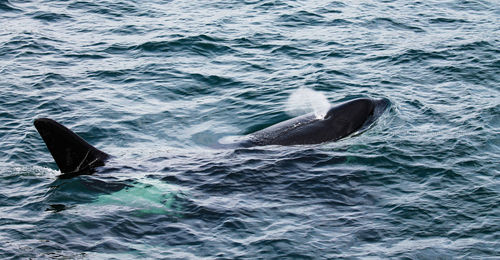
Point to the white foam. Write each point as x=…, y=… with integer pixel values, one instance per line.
x=304, y=100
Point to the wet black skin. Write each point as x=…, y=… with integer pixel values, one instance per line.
x=340, y=121
x=73, y=155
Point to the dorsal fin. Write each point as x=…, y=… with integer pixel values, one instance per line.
x=73, y=155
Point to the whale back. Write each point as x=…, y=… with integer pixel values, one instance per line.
x=339, y=122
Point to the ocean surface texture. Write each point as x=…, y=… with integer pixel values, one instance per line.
x=158, y=83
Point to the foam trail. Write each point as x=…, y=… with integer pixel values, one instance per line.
x=305, y=100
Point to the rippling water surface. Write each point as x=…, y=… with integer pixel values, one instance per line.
x=157, y=83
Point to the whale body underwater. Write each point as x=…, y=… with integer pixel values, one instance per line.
x=74, y=156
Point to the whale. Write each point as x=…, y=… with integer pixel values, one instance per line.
x=340, y=121
x=74, y=156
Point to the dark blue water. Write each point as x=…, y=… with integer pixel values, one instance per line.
x=157, y=83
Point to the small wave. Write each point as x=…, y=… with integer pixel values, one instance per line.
x=200, y=45
x=301, y=18
x=114, y=9
x=118, y=48
x=29, y=45
x=292, y=51
x=445, y=20
x=7, y=6
x=416, y=56
x=474, y=5
x=129, y=30
x=85, y=56
x=389, y=23
x=339, y=22
x=49, y=17
x=274, y=5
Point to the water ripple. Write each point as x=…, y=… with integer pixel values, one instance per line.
x=158, y=83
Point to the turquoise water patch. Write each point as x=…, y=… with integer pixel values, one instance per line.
x=146, y=196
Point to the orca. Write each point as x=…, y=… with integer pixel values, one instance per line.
x=340, y=121
x=74, y=156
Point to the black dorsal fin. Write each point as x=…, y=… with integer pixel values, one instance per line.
x=73, y=155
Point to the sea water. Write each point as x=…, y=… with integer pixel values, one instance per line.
x=156, y=83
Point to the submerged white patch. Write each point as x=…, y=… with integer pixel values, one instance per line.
x=146, y=196
x=232, y=139
x=305, y=100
